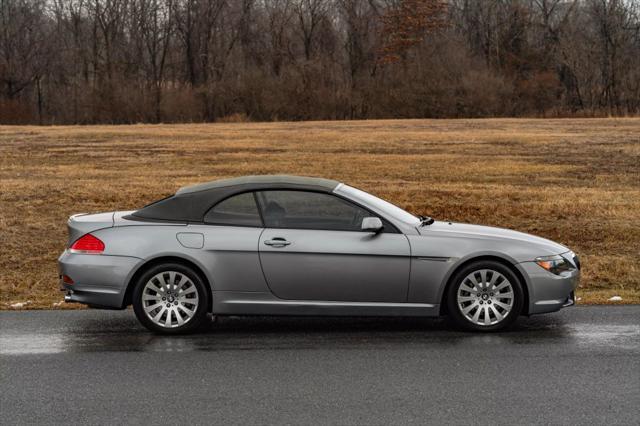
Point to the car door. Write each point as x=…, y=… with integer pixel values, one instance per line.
x=314, y=249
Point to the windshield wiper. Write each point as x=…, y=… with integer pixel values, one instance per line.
x=425, y=220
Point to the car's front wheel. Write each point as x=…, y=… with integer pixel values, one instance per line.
x=170, y=298
x=485, y=296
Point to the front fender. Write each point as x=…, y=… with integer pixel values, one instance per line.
x=458, y=263
x=434, y=261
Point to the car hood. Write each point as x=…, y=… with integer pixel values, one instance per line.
x=489, y=233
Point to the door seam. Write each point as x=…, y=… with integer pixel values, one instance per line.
x=410, y=268
x=264, y=275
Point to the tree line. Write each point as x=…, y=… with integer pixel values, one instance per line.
x=128, y=61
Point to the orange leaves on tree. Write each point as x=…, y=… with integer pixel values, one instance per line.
x=406, y=23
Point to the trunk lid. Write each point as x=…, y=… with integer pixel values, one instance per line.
x=84, y=223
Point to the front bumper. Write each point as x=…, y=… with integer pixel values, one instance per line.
x=549, y=292
x=98, y=280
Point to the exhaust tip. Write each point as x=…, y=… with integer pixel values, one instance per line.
x=67, y=298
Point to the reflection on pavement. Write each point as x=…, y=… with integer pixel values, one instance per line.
x=86, y=333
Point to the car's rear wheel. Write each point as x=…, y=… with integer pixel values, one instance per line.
x=170, y=298
x=485, y=296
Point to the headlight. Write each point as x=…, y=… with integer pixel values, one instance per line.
x=555, y=264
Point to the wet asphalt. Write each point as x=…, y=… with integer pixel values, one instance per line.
x=578, y=366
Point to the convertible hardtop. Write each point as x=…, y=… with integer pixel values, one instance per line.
x=190, y=203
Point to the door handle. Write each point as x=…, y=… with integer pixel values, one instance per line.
x=277, y=242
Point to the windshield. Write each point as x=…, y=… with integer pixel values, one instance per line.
x=380, y=204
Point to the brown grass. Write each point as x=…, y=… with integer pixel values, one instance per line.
x=574, y=181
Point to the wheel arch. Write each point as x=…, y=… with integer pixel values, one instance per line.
x=488, y=257
x=142, y=268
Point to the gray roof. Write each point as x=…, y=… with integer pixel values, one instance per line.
x=262, y=180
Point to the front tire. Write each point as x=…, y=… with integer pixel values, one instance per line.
x=170, y=298
x=485, y=296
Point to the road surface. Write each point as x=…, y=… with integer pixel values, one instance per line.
x=578, y=366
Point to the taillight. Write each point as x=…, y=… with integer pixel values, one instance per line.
x=87, y=244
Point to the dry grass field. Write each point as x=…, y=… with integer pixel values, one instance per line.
x=575, y=181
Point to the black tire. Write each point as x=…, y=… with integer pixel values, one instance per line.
x=194, y=322
x=455, y=312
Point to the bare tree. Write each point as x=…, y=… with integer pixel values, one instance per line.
x=310, y=14
x=278, y=16
x=122, y=61
x=153, y=24
x=24, y=49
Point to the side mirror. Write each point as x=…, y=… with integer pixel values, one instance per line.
x=372, y=224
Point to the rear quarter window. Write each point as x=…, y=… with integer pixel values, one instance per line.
x=237, y=210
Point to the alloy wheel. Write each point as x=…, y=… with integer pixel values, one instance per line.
x=170, y=299
x=485, y=297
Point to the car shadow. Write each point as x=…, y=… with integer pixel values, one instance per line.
x=303, y=333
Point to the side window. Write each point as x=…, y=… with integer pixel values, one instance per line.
x=240, y=210
x=309, y=210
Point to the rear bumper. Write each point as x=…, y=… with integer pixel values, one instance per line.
x=549, y=292
x=98, y=280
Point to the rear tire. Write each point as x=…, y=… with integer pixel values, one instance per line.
x=170, y=298
x=485, y=296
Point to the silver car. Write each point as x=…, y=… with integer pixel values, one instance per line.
x=287, y=245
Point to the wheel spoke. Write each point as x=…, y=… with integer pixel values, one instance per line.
x=190, y=290
x=186, y=310
x=476, y=316
x=151, y=308
x=472, y=278
x=508, y=295
x=167, y=321
x=157, y=317
x=182, y=282
x=494, y=278
x=466, y=298
x=151, y=297
x=162, y=280
x=469, y=308
x=504, y=306
x=496, y=313
x=188, y=301
x=487, y=320
x=172, y=280
x=179, y=317
x=502, y=285
x=152, y=286
x=483, y=278
x=466, y=287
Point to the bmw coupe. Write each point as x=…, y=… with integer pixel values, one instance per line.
x=287, y=245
